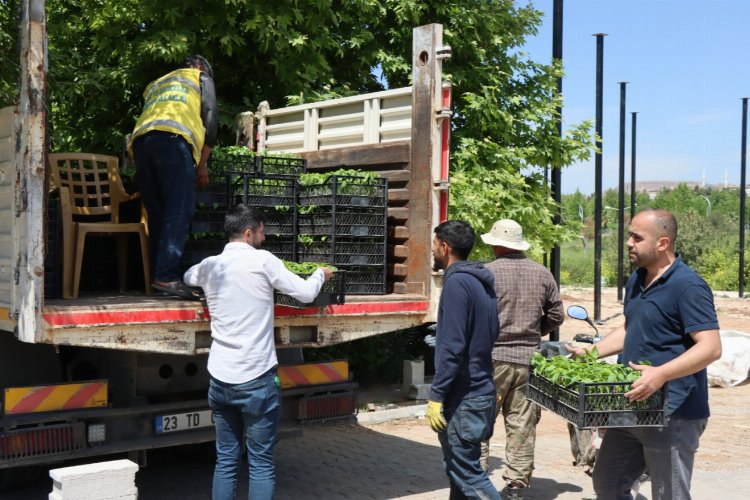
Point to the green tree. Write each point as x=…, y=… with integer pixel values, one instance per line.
x=102, y=54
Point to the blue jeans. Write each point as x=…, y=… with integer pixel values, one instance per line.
x=251, y=408
x=469, y=423
x=165, y=171
x=666, y=453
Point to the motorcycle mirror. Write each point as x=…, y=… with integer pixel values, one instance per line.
x=578, y=312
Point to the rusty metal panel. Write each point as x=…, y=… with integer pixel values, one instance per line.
x=6, y=216
x=29, y=174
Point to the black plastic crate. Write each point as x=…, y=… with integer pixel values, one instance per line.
x=233, y=163
x=265, y=191
x=284, y=248
x=350, y=223
x=344, y=252
x=208, y=221
x=364, y=280
x=212, y=197
x=345, y=191
x=333, y=292
x=280, y=222
x=197, y=250
x=594, y=405
x=279, y=165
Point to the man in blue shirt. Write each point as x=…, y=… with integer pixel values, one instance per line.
x=462, y=397
x=670, y=322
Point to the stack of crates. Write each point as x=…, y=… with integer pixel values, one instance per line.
x=271, y=186
x=343, y=222
x=233, y=177
x=206, y=233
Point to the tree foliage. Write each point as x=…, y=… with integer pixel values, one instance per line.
x=103, y=53
x=707, y=240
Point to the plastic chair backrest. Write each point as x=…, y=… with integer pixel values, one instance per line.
x=93, y=183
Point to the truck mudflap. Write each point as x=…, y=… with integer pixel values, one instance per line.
x=37, y=438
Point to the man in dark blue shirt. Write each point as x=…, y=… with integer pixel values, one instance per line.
x=670, y=323
x=462, y=398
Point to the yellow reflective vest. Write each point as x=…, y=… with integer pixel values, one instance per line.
x=173, y=104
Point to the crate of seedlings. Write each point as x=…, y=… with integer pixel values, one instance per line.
x=343, y=188
x=333, y=291
x=232, y=159
x=207, y=221
x=280, y=221
x=283, y=247
x=349, y=252
x=265, y=191
x=280, y=165
x=348, y=223
x=365, y=280
x=200, y=246
x=590, y=393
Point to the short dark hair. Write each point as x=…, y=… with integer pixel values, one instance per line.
x=195, y=60
x=240, y=218
x=458, y=235
x=664, y=223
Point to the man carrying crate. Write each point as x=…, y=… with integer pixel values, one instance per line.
x=671, y=334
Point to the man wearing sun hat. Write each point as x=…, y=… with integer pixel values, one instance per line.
x=529, y=306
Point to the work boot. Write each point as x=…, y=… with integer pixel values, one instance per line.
x=511, y=492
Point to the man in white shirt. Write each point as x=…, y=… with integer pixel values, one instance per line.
x=243, y=391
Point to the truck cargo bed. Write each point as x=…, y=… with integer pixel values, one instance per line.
x=167, y=325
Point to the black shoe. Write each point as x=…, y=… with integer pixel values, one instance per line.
x=512, y=493
x=177, y=288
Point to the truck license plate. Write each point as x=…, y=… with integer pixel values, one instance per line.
x=184, y=421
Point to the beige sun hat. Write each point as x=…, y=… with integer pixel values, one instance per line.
x=506, y=233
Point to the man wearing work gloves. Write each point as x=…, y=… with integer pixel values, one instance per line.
x=462, y=400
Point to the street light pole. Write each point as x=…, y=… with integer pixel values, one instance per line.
x=598, y=179
x=621, y=195
x=743, y=164
x=708, y=204
x=557, y=54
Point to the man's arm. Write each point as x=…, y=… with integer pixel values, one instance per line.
x=554, y=314
x=706, y=350
x=209, y=116
x=289, y=283
x=192, y=275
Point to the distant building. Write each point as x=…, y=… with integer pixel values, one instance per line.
x=652, y=188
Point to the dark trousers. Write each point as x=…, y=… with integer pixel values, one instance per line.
x=165, y=171
x=470, y=423
x=666, y=453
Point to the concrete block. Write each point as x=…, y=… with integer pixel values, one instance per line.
x=413, y=374
x=97, y=481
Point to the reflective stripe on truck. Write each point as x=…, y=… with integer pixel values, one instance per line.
x=77, y=318
x=313, y=373
x=19, y=400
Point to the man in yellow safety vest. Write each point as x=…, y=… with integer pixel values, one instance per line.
x=170, y=145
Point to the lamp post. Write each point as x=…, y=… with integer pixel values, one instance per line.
x=598, y=179
x=708, y=203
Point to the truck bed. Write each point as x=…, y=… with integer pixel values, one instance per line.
x=139, y=323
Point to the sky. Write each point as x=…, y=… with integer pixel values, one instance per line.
x=687, y=65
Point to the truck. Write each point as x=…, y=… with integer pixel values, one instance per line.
x=109, y=373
